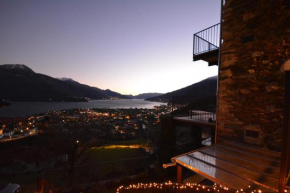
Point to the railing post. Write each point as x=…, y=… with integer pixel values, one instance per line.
x=208, y=46
x=193, y=46
x=179, y=174
x=284, y=167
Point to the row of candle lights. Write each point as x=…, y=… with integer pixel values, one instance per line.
x=169, y=187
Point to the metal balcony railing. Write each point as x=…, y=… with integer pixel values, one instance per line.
x=206, y=40
x=196, y=108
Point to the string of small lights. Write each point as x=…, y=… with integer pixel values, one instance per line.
x=169, y=187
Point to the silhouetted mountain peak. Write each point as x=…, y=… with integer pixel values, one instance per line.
x=20, y=83
x=66, y=79
x=23, y=84
x=16, y=67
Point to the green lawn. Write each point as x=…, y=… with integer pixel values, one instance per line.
x=100, y=167
x=129, y=142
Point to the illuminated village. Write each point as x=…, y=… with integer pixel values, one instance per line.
x=118, y=123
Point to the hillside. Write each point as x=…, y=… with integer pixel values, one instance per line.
x=144, y=95
x=109, y=93
x=206, y=87
x=114, y=94
x=20, y=83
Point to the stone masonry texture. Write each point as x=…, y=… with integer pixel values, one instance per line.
x=256, y=44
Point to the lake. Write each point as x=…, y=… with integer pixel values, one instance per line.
x=24, y=109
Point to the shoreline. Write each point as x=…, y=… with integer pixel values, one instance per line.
x=25, y=109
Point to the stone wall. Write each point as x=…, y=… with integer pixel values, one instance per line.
x=256, y=43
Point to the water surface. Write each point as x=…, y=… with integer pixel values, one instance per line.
x=24, y=109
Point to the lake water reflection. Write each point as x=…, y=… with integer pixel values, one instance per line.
x=23, y=109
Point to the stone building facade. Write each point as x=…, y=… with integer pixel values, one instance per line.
x=256, y=44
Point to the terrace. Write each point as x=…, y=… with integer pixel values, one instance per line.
x=235, y=165
x=200, y=111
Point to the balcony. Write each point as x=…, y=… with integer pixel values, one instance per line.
x=197, y=110
x=206, y=45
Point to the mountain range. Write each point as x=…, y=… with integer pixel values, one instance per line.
x=145, y=95
x=20, y=83
x=206, y=87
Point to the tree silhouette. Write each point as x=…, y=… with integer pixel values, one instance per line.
x=71, y=144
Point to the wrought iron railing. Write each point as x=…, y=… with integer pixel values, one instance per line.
x=206, y=40
x=195, y=108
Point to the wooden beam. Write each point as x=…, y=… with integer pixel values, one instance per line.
x=285, y=160
x=179, y=174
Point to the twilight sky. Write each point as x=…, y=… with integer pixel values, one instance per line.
x=129, y=46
